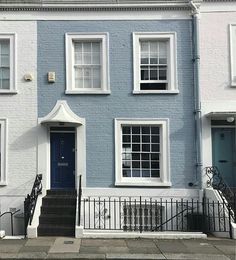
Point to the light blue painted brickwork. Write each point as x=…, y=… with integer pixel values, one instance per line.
x=100, y=110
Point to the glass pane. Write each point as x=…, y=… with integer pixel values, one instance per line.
x=145, y=173
x=87, y=83
x=135, y=164
x=163, y=61
x=126, y=173
x=126, y=130
x=153, y=59
x=154, y=47
x=153, y=74
x=146, y=139
x=162, y=49
x=136, y=173
x=87, y=47
x=146, y=148
x=135, y=130
x=145, y=156
x=5, y=47
x=144, y=59
x=126, y=139
x=145, y=165
x=155, y=139
x=136, y=156
x=145, y=130
x=144, y=74
x=136, y=139
x=78, y=58
x=126, y=164
x=155, y=156
x=78, y=47
x=155, y=130
x=96, y=47
x=5, y=73
x=155, y=173
x=87, y=58
x=87, y=73
x=162, y=74
x=144, y=46
x=136, y=147
x=155, y=147
x=78, y=73
x=96, y=78
x=5, y=84
x=78, y=83
x=155, y=165
x=5, y=61
x=96, y=58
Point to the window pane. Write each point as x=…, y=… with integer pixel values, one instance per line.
x=162, y=74
x=137, y=155
x=144, y=46
x=78, y=83
x=5, y=47
x=96, y=78
x=5, y=61
x=153, y=74
x=87, y=58
x=96, y=46
x=87, y=83
x=144, y=73
x=87, y=47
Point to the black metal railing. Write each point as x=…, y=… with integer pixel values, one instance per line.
x=30, y=201
x=11, y=218
x=228, y=195
x=144, y=214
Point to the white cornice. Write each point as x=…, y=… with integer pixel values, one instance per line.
x=81, y=5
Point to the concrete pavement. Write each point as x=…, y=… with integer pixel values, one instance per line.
x=71, y=248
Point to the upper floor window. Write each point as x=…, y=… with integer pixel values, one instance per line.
x=233, y=54
x=142, y=152
x=154, y=63
x=87, y=64
x=3, y=150
x=7, y=63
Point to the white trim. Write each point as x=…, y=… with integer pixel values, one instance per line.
x=3, y=148
x=13, y=62
x=232, y=35
x=95, y=15
x=44, y=167
x=105, y=80
x=61, y=113
x=164, y=179
x=171, y=37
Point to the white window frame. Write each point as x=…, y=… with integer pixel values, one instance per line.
x=3, y=148
x=164, y=179
x=170, y=37
x=70, y=82
x=232, y=32
x=12, y=38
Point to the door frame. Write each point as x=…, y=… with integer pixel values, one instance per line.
x=63, y=131
x=44, y=154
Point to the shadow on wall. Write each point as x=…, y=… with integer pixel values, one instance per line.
x=26, y=141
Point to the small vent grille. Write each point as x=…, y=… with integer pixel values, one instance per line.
x=146, y=217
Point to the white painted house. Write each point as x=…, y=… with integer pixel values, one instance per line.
x=18, y=116
x=218, y=86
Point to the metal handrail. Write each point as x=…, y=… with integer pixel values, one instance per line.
x=30, y=201
x=12, y=214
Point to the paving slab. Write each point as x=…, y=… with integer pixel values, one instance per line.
x=34, y=249
x=12, y=241
x=32, y=255
x=40, y=241
x=167, y=246
x=202, y=248
x=65, y=245
x=131, y=243
x=232, y=257
x=135, y=256
x=8, y=256
x=112, y=249
x=226, y=249
x=10, y=248
x=144, y=250
x=76, y=256
x=103, y=242
x=195, y=257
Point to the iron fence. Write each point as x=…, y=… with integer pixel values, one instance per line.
x=144, y=214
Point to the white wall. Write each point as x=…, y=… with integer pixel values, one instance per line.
x=217, y=95
x=21, y=111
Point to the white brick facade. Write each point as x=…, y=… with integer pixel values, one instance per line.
x=21, y=112
x=217, y=94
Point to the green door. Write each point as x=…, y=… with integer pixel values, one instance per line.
x=223, y=147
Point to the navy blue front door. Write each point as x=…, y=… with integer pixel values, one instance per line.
x=62, y=160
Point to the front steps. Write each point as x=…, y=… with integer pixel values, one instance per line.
x=58, y=213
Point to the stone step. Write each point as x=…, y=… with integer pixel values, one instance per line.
x=59, y=200
x=61, y=192
x=58, y=209
x=55, y=230
x=54, y=219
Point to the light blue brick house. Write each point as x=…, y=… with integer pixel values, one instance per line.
x=115, y=104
